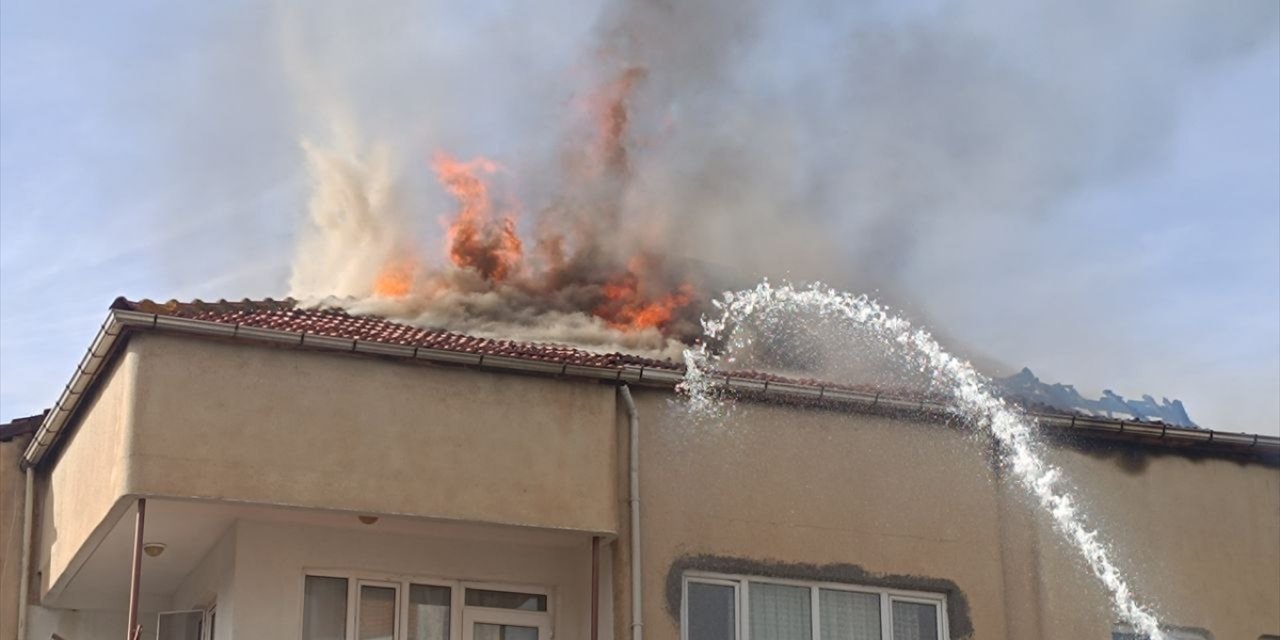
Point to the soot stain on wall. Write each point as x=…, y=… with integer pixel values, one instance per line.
x=960, y=623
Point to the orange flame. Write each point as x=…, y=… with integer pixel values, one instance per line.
x=474, y=239
x=627, y=307
x=395, y=280
x=609, y=106
x=571, y=264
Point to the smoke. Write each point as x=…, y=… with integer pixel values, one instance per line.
x=670, y=148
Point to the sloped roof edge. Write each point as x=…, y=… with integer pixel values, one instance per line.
x=283, y=322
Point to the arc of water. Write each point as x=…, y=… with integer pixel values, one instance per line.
x=972, y=399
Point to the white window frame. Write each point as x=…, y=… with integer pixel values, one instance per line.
x=403, y=582
x=488, y=615
x=684, y=602
x=742, y=600
x=398, y=622
x=209, y=616
x=1173, y=633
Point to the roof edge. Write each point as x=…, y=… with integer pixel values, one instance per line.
x=120, y=320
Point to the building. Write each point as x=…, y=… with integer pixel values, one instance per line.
x=308, y=474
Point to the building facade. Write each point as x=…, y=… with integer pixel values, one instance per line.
x=308, y=475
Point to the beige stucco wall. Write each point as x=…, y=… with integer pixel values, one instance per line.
x=87, y=479
x=773, y=486
x=12, y=496
x=283, y=426
x=1198, y=538
x=193, y=418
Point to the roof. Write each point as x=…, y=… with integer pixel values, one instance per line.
x=286, y=322
x=20, y=426
x=332, y=322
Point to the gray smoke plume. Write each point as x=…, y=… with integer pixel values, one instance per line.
x=808, y=139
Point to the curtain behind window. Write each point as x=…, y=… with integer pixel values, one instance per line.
x=324, y=615
x=915, y=621
x=429, y=612
x=849, y=616
x=780, y=612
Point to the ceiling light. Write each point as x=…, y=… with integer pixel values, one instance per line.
x=154, y=549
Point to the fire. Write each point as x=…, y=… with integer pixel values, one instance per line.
x=609, y=106
x=574, y=265
x=395, y=280
x=474, y=239
x=627, y=307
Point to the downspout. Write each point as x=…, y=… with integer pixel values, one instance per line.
x=595, y=587
x=637, y=626
x=24, y=584
x=135, y=580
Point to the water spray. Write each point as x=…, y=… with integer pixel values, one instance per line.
x=971, y=395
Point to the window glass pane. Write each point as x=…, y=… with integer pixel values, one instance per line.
x=712, y=614
x=428, y=612
x=506, y=600
x=847, y=615
x=485, y=631
x=179, y=625
x=915, y=621
x=324, y=614
x=377, y=613
x=779, y=612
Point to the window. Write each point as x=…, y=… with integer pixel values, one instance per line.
x=191, y=624
x=180, y=625
x=506, y=600
x=711, y=610
x=1125, y=632
x=325, y=609
x=355, y=607
x=429, y=612
x=720, y=607
x=376, y=611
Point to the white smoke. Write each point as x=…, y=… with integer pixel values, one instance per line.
x=847, y=141
x=356, y=225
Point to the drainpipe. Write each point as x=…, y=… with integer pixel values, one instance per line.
x=595, y=587
x=637, y=626
x=136, y=579
x=24, y=584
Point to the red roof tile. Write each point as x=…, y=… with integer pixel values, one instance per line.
x=286, y=315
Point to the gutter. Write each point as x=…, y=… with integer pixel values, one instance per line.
x=120, y=321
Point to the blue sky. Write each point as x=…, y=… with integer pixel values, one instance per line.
x=150, y=150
